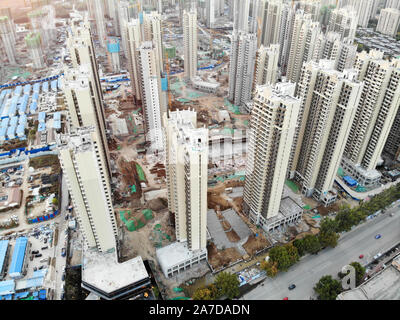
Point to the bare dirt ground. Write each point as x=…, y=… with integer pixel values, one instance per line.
x=222, y=258
x=255, y=244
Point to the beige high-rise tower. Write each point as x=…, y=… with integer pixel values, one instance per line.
x=187, y=176
x=329, y=99
x=133, y=42
x=375, y=114
x=152, y=31
x=272, y=127
x=267, y=65
x=190, y=43
x=85, y=169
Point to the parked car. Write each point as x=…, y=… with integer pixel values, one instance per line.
x=38, y=255
x=378, y=236
x=35, y=269
x=44, y=248
x=361, y=256
x=41, y=267
x=45, y=240
x=63, y=277
x=63, y=252
x=292, y=286
x=35, y=251
x=285, y=298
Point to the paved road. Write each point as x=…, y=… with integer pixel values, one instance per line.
x=62, y=224
x=306, y=273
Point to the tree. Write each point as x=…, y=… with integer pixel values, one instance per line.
x=299, y=244
x=227, y=285
x=206, y=293
x=328, y=288
x=55, y=201
x=271, y=268
x=328, y=239
x=311, y=244
x=360, y=272
x=279, y=255
x=328, y=225
x=292, y=253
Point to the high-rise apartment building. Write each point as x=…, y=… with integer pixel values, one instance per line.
x=7, y=39
x=267, y=65
x=285, y=39
x=187, y=176
x=210, y=13
x=270, y=18
x=375, y=113
x=395, y=4
x=80, y=46
x=329, y=99
x=133, y=42
x=389, y=21
x=33, y=43
x=304, y=39
x=150, y=89
x=344, y=21
x=84, y=167
x=96, y=12
x=364, y=9
x=311, y=7
x=242, y=67
x=272, y=128
x=392, y=146
x=152, y=31
x=241, y=9
x=190, y=43
x=85, y=107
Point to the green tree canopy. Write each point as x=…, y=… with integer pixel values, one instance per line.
x=227, y=284
x=360, y=272
x=328, y=288
x=206, y=293
x=271, y=268
x=311, y=244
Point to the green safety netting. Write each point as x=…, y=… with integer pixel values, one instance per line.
x=177, y=289
x=228, y=130
x=119, y=148
x=292, y=186
x=307, y=207
x=122, y=216
x=231, y=107
x=134, y=224
x=140, y=172
x=340, y=172
x=132, y=189
x=246, y=122
x=180, y=298
x=148, y=214
x=157, y=226
x=361, y=189
x=317, y=217
x=29, y=298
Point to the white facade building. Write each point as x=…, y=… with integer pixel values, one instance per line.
x=267, y=65
x=389, y=21
x=187, y=177
x=7, y=37
x=89, y=187
x=272, y=128
x=190, y=43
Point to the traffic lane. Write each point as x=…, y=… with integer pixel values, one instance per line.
x=329, y=261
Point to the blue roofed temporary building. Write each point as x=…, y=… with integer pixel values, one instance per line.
x=59, y=84
x=36, y=87
x=5, y=122
x=3, y=133
x=42, y=117
x=18, y=91
x=41, y=127
x=18, y=258
x=23, y=104
x=7, y=287
x=33, y=107
x=3, y=254
x=45, y=87
x=42, y=294
x=54, y=85
x=13, y=121
x=11, y=132
x=36, y=281
x=27, y=89
x=35, y=96
x=164, y=84
x=350, y=181
x=23, y=119
x=20, y=131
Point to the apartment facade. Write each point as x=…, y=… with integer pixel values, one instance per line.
x=272, y=128
x=85, y=170
x=7, y=37
x=187, y=176
x=389, y=21
x=267, y=65
x=329, y=99
x=344, y=21
x=242, y=67
x=376, y=111
x=190, y=43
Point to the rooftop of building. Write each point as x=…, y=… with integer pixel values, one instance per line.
x=102, y=271
x=79, y=141
x=175, y=253
x=383, y=286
